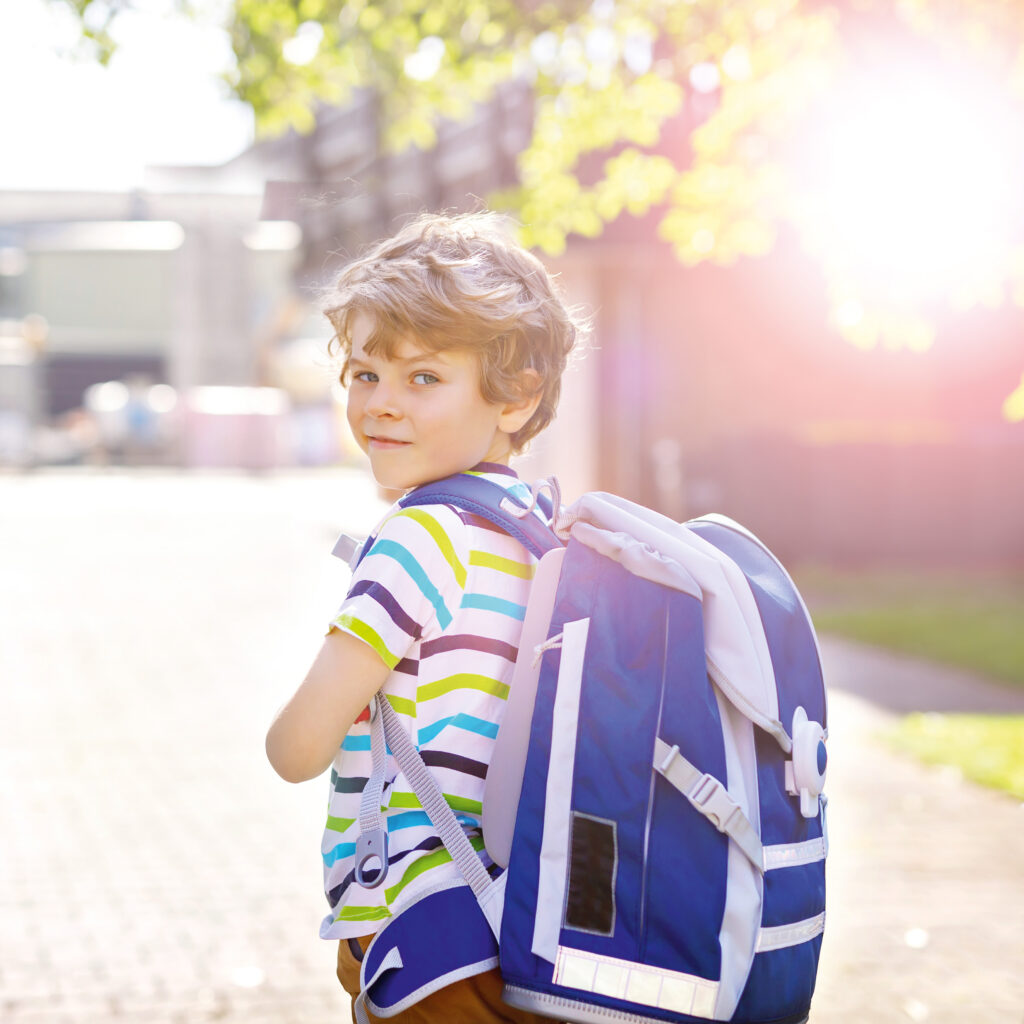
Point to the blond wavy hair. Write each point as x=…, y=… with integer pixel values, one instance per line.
x=462, y=282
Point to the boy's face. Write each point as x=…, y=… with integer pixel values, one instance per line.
x=419, y=415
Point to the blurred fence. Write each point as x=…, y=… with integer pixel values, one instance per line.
x=958, y=503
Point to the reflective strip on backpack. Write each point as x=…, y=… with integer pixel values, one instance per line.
x=636, y=983
x=554, y=847
x=785, y=935
x=791, y=855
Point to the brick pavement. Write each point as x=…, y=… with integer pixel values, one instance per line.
x=926, y=885
x=153, y=868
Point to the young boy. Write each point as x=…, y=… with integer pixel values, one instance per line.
x=454, y=342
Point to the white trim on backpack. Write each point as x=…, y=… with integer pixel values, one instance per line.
x=731, y=524
x=784, y=935
x=554, y=847
x=393, y=961
x=504, y=783
x=791, y=855
x=744, y=896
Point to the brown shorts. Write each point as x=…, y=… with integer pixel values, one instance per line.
x=475, y=1000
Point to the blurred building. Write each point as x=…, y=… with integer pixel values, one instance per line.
x=171, y=285
x=711, y=388
x=707, y=388
x=181, y=286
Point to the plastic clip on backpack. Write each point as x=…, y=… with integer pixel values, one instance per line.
x=655, y=790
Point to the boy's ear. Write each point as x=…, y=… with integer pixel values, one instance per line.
x=516, y=414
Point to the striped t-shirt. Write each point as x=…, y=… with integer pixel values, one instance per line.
x=440, y=596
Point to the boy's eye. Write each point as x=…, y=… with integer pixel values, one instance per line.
x=423, y=377
x=366, y=376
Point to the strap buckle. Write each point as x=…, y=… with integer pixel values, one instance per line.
x=712, y=799
x=370, y=846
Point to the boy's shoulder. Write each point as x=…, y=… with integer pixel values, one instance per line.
x=439, y=533
x=446, y=515
x=427, y=532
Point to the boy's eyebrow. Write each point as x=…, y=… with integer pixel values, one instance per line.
x=425, y=356
x=422, y=355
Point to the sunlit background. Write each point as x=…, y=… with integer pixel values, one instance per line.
x=911, y=192
x=71, y=124
x=811, y=226
x=797, y=229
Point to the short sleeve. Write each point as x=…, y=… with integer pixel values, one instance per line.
x=409, y=584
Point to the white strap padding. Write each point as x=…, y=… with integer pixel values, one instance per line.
x=372, y=844
x=710, y=798
x=370, y=817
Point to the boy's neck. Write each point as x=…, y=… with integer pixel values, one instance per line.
x=480, y=467
x=492, y=467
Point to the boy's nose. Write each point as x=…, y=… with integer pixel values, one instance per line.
x=382, y=402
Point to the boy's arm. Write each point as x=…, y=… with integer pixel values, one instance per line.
x=305, y=735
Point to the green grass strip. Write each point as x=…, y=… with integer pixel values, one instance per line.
x=972, y=620
x=988, y=749
x=985, y=639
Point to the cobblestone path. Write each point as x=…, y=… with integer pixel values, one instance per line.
x=154, y=869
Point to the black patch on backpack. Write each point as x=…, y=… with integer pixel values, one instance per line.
x=590, y=904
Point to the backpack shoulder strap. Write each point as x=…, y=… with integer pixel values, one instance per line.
x=491, y=501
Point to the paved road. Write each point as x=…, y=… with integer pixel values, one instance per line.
x=153, y=868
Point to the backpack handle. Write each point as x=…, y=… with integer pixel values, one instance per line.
x=484, y=498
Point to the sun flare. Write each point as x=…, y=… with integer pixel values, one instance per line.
x=909, y=191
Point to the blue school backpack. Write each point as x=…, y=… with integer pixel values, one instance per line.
x=655, y=795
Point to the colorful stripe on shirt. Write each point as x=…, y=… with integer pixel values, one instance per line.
x=440, y=595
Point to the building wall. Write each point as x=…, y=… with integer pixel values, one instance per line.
x=102, y=302
x=723, y=389
x=717, y=388
x=185, y=288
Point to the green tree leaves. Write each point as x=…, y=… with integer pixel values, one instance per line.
x=733, y=119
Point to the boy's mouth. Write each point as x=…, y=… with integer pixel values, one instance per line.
x=385, y=443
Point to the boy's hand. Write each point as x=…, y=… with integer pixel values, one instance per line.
x=305, y=735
